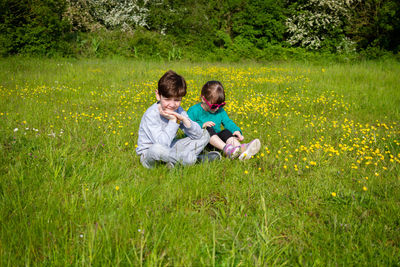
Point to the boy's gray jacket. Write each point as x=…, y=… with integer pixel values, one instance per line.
x=155, y=129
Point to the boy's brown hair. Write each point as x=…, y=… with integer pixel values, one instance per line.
x=172, y=84
x=213, y=92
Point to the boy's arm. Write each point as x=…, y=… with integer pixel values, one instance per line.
x=156, y=133
x=178, y=118
x=191, y=128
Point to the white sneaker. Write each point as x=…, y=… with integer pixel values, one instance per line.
x=231, y=151
x=252, y=148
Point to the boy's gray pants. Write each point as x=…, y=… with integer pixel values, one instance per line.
x=184, y=151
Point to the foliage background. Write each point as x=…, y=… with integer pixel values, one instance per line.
x=201, y=30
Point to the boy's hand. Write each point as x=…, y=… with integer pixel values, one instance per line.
x=166, y=114
x=208, y=124
x=181, y=118
x=238, y=135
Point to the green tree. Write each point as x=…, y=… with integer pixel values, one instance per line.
x=32, y=26
x=187, y=23
x=376, y=23
x=262, y=22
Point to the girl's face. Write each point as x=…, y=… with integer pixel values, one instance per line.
x=169, y=103
x=210, y=107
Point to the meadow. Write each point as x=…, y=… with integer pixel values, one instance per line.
x=324, y=189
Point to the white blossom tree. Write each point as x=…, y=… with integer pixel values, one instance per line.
x=111, y=14
x=320, y=20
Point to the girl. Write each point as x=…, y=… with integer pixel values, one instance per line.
x=209, y=114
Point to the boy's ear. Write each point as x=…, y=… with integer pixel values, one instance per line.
x=158, y=96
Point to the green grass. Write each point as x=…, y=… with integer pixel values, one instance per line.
x=73, y=192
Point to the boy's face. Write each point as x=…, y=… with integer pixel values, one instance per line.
x=169, y=103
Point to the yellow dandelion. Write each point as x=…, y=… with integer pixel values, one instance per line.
x=117, y=188
x=365, y=188
x=246, y=172
x=333, y=194
x=126, y=143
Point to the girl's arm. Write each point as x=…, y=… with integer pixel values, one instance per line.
x=208, y=124
x=228, y=123
x=193, y=115
x=238, y=135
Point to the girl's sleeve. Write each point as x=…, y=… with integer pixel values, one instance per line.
x=195, y=131
x=228, y=123
x=192, y=114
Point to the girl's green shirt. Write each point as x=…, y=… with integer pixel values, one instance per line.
x=198, y=114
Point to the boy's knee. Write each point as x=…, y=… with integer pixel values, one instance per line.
x=154, y=154
x=158, y=152
x=205, y=136
x=189, y=159
x=157, y=149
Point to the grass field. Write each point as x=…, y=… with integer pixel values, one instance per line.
x=324, y=190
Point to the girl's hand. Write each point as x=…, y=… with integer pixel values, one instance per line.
x=208, y=124
x=238, y=135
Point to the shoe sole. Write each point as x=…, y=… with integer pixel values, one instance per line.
x=214, y=155
x=209, y=157
x=252, y=149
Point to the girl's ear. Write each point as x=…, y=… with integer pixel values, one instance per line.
x=158, y=96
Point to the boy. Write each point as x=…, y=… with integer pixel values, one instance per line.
x=160, y=123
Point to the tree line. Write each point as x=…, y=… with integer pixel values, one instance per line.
x=211, y=29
